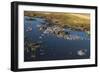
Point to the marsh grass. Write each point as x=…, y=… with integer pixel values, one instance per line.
x=72, y=20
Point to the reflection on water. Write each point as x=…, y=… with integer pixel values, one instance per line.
x=44, y=40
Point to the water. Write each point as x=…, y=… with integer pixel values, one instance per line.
x=52, y=47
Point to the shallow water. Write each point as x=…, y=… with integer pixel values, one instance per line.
x=53, y=48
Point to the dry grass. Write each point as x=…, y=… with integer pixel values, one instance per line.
x=73, y=20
